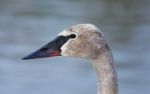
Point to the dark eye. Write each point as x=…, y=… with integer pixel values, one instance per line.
x=72, y=35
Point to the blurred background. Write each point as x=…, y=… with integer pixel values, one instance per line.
x=26, y=25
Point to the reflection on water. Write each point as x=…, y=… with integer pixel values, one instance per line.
x=26, y=25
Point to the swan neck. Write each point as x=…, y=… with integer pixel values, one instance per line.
x=106, y=73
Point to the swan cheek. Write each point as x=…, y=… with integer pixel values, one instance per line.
x=66, y=49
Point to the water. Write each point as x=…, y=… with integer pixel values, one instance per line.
x=26, y=25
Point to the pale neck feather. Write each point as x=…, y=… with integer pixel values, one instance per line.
x=106, y=73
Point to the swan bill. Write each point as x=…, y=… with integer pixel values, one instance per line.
x=51, y=49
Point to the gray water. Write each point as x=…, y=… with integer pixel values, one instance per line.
x=26, y=25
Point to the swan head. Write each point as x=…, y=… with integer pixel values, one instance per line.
x=82, y=40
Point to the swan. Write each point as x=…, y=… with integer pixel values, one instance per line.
x=84, y=41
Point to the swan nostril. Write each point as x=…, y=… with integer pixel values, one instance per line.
x=44, y=49
x=72, y=35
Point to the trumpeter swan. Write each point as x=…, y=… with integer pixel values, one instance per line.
x=85, y=41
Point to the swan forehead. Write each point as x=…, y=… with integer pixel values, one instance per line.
x=80, y=29
x=64, y=33
x=86, y=27
x=90, y=27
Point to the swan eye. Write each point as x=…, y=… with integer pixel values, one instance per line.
x=72, y=35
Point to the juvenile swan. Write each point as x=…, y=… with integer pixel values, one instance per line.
x=84, y=41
